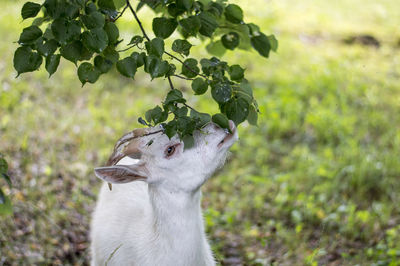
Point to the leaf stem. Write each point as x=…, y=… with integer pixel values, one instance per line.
x=121, y=13
x=183, y=63
x=182, y=77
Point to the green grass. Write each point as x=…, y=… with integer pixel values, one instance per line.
x=316, y=183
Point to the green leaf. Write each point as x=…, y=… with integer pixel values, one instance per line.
x=188, y=141
x=111, y=54
x=38, y=21
x=164, y=27
x=155, y=47
x=5, y=204
x=75, y=51
x=216, y=48
x=237, y=109
x=88, y=73
x=3, y=165
x=106, y=4
x=29, y=35
x=156, y=67
x=199, y=86
x=7, y=178
x=25, y=60
x=93, y=20
x=139, y=58
x=95, y=40
x=174, y=96
x=200, y=118
x=261, y=44
x=48, y=33
x=174, y=11
x=186, y=126
x=184, y=4
x=89, y=8
x=142, y=121
x=253, y=116
x=190, y=25
x=216, y=9
x=236, y=72
x=112, y=32
x=230, y=40
x=234, y=13
x=30, y=10
x=244, y=91
x=47, y=48
x=127, y=67
x=135, y=40
x=170, y=128
x=190, y=68
x=221, y=120
x=52, y=62
x=181, y=46
x=221, y=92
x=208, y=23
x=273, y=42
x=181, y=112
x=102, y=64
x=156, y=115
x=171, y=70
x=119, y=3
x=253, y=29
x=65, y=31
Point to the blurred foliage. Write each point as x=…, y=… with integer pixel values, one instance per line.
x=316, y=183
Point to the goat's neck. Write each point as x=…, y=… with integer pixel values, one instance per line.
x=177, y=218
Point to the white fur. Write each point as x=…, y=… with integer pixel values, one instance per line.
x=159, y=221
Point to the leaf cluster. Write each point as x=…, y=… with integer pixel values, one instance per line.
x=85, y=32
x=4, y=201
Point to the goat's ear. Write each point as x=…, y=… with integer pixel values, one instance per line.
x=119, y=174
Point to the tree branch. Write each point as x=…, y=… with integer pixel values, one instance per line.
x=137, y=20
x=170, y=83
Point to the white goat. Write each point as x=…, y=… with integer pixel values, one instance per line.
x=158, y=221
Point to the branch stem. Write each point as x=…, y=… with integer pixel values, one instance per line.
x=137, y=20
x=182, y=77
x=121, y=13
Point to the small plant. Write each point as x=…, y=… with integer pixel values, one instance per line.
x=5, y=206
x=85, y=32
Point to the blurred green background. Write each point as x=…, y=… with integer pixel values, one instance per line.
x=317, y=183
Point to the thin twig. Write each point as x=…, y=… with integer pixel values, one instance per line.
x=188, y=106
x=126, y=49
x=137, y=20
x=170, y=83
x=182, y=77
x=183, y=63
x=121, y=13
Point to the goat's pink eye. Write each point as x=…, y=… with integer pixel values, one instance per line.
x=170, y=150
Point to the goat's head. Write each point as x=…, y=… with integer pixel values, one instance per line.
x=163, y=161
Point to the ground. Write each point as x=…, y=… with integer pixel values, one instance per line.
x=316, y=183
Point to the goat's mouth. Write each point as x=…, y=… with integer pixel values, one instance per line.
x=229, y=135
